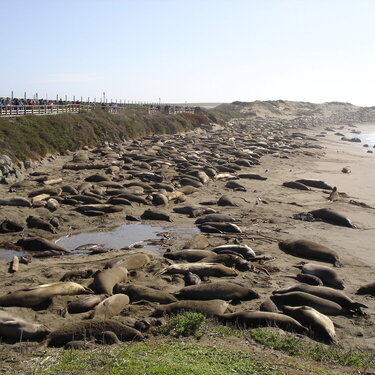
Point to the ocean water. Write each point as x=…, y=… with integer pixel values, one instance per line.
x=366, y=138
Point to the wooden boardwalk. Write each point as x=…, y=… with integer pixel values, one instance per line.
x=54, y=109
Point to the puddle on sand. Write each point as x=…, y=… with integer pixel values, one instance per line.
x=6, y=254
x=119, y=237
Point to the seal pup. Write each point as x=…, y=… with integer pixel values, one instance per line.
x=328, y=275
x=310, y=250
x=318, y=323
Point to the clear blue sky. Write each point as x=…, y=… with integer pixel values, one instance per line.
x=190, y=50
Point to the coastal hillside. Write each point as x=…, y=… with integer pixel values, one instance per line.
x=33, y=137
x=332, y=112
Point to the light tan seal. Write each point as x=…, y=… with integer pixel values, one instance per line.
x=34, y=296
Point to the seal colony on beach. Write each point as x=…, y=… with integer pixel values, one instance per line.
x=235, y=262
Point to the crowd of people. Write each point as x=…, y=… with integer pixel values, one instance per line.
x=23, y=102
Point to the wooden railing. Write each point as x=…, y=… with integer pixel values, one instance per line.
x=20, y=110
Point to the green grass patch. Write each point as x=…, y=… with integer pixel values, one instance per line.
x=32, y=136
x=164, y=358
x=320, y=353
x=185, y=324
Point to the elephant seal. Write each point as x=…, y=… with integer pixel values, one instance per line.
x=253, y=319
x=235, y=186
x=310, y=250
x=192, y=255
x=37, y=295
x=39, y=244
x=332, y=217
x=200, y=269
x=326, y=293
x=110, y=307
x=138, y=293
x=324, y=306
x=36, y=222
x=215, y=227
x=269, y=306
x=367, y=289
x=214, y=218
x=104, y=281
x=252, y=176
x=103, y=208
x=208, y=308
x=91, y=329
x=50, y=190
x=78, y=274
x=191, y=210
x=229, y=260
x=246, y=251
x=84, y=303
x=19, y=329
x=192, y=279
x=151, y=214
x=309, y=279
x=159, y=199
x=315, y=183
x=131, y=262
x=319, y=324
x=296, y=185
x=225, y=200
x=328, y=276
x=10, y=226
x=16, y=201
x=217, y=290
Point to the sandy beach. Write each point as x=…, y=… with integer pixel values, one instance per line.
x=264, y=222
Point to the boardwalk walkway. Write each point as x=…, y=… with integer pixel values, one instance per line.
x=52, y=109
